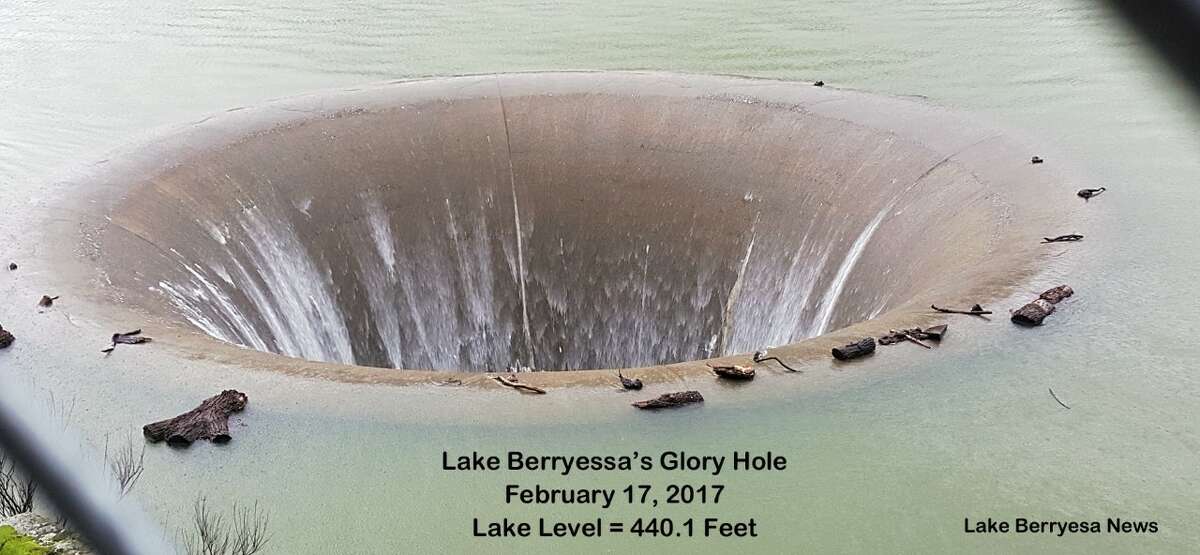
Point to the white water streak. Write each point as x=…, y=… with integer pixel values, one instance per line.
x=735, y=291
x=829, y=301
x=381, y=280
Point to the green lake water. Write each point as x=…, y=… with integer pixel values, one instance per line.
x=887, y=460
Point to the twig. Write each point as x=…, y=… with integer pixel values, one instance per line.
x=972, y=312
x=1064, y=405
x=911, y=338
x=513, y=383
x=761, y=357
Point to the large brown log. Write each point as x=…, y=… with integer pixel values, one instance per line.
x=860, y=348
x=671, y=400
x=1033, y=313
x=210, y=420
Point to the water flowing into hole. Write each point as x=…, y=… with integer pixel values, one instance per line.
x=557, y=222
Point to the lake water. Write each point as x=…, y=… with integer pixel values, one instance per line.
x=890, y=461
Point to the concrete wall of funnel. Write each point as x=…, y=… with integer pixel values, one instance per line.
x=559, y=221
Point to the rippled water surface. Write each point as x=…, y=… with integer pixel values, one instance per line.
x=890, y=462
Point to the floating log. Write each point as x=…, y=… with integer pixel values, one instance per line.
x=513, y=383
x=210, y=421
x=47, y=301
x=128, y=338
x=1063, y=238
x=1089, y=193
x=671, y=400
x=860, y=348
x=628, y=383
x=974, y=311
x=6, y=338
x=761, y=357
x=1033, y=313
x=1057, y=294
x=734, y=372
x=1036, y=160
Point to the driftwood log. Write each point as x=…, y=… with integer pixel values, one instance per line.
x=1033, y=313
x=1054, y=296
x=513, y=383
x=6, y=338
x=210, y=420
x=974, y=311
x=671, y=400
x=734, y=372
x=855, y=350
x=1063, y=238
x=629, y=383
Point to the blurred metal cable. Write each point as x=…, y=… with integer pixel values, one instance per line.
x=80, y=488
x=1172, y=27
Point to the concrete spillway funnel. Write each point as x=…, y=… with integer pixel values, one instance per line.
x=559, y=221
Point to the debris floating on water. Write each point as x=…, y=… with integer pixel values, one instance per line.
x=128, y=338
x=513, y=383
x=628, y=383
x=47, y=301
x=671, y=400
x=733, y=372
x=1089, y=193
x=914, y=335
x=1064, y=405
x=937, y=332
x=1036, y=160
x=210, y=420
x=761, y=357
x=1063, y=238
x=860, y=348
x=1035, y=312
x=1057, y=294
x=975, y=310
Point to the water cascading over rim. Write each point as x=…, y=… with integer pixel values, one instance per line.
x=558, y=221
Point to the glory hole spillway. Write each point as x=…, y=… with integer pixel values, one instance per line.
x=558, y=221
